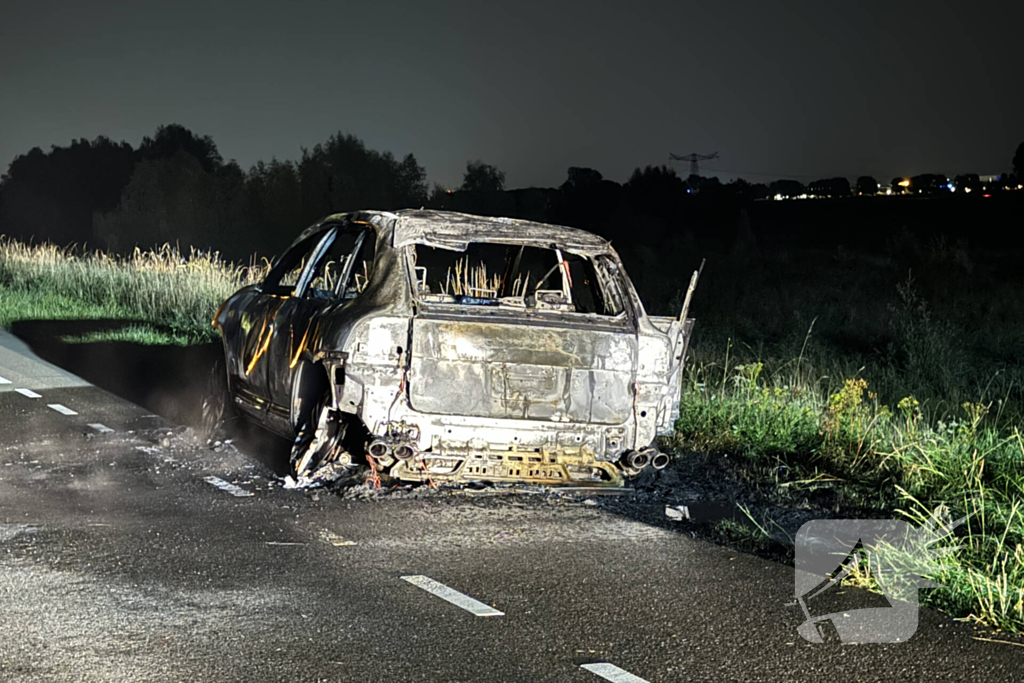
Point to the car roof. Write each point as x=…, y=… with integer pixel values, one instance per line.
x=452, y=230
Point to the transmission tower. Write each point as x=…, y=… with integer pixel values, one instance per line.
x=694, y=160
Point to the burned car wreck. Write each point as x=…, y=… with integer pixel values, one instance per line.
x=437, y=346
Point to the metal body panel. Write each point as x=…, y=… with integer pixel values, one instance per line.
x=484, y=368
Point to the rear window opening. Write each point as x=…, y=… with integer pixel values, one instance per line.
x=490, y=274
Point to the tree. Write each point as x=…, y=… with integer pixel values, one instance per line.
x=52, y=195
x=481, y=177
x=654, y=179
x=274, y=205
x=343, y=175
x=866, y=185
x=170, y=139
x=411, y=183
x=1018, y=161
x=580, y=178
x=175, y=200
x=786, y=188
x=585, y=200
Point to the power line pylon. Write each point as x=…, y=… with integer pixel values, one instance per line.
x=694, y=160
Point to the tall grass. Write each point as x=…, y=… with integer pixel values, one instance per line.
x=793, y=427
x=167, y=287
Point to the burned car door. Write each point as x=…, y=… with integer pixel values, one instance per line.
x=336, y=273
x=260, y=318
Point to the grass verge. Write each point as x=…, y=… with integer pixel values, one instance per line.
x=796, y=432
x=171, y=295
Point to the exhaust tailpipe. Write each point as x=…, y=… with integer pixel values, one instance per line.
x=405, y=451
x=637, y=460
x=659, y=461
x=379, y=448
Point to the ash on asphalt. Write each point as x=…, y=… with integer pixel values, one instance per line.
x=721, y=507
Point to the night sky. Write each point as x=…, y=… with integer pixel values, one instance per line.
x=801, y=89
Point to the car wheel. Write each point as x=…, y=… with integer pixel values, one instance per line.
x=217, y=406
x=318, y=454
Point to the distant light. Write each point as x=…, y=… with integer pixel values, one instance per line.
x=904, y=183
x=967, y=190
x=986, y=195
x=951, y=186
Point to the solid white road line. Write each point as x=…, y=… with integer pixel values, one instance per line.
x=28, y=393
x=4, y=380
x=612, y=673
x=453, y=596
x=63, y=410
x=101, y=428
x=227, y=487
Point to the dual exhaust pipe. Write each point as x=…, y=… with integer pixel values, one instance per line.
x=637, y=460
x=384, y=453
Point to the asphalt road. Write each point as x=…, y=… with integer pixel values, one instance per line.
x=120, y=561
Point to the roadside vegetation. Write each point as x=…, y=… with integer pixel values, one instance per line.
x=168, y=296
x=896, y=436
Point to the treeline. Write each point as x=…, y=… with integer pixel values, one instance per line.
x=175, y=187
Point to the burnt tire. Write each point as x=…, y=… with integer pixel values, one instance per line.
x=318, y=439
x=217, y=407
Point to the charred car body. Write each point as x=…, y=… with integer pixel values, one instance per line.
x=443, y=346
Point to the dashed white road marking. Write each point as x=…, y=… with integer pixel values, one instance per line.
x=227, y=487
x=453, y=596
x=612, y=673
x=63, y=410
x=28, y=393
x=101, y=428
x=4, y=380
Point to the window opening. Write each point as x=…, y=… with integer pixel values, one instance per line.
x=345, y=265
x=519, y=276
